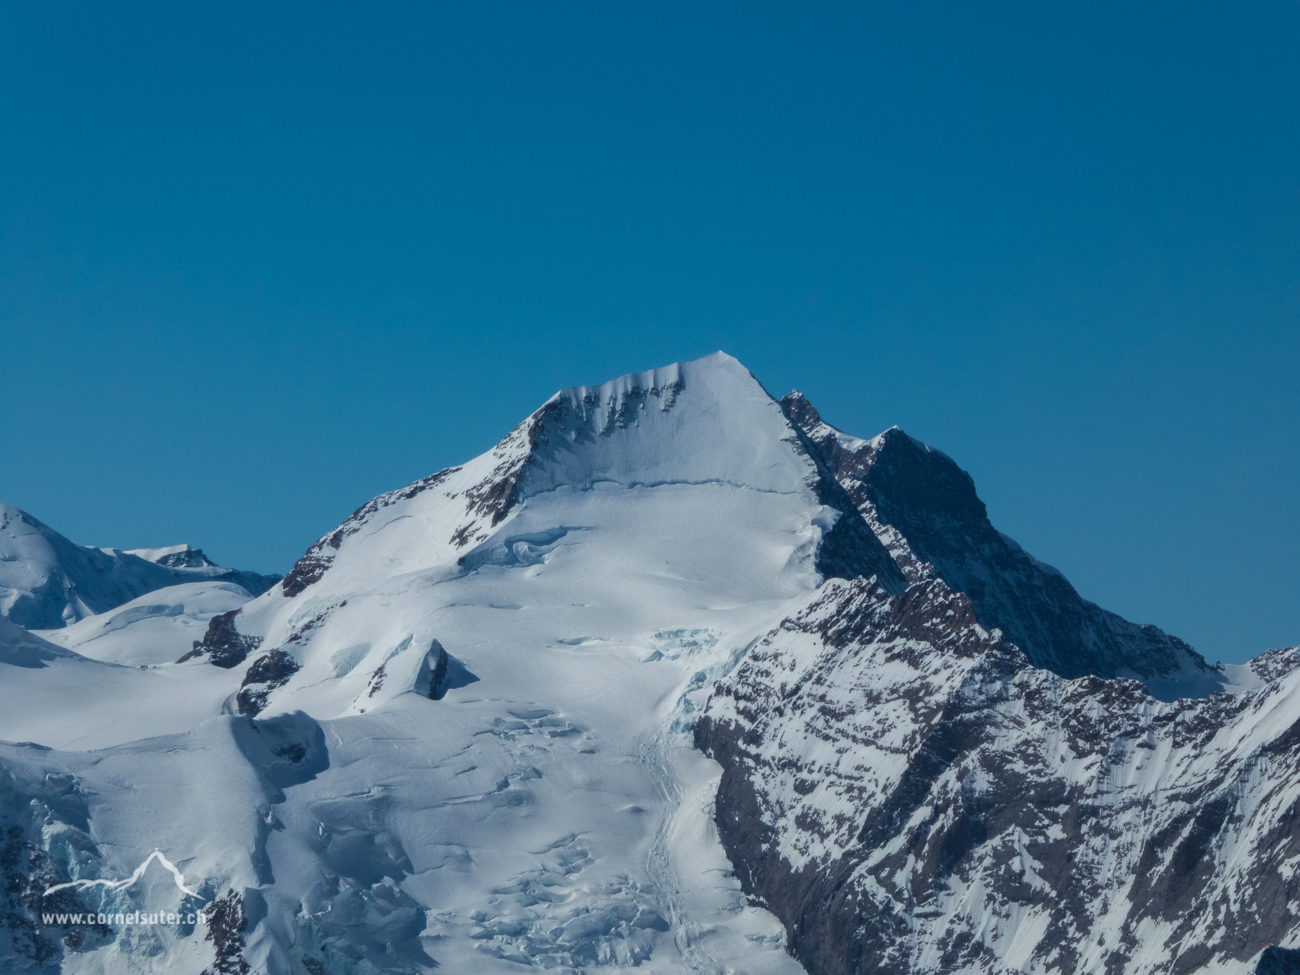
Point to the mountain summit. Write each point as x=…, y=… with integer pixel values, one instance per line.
x=677, y=677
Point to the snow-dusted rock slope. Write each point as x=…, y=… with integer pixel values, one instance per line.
x=468, y=731
x=909, y=795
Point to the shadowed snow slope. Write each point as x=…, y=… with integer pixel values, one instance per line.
x=461, y=732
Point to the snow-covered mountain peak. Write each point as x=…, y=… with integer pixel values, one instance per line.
x=48, y=581
x=691, y=422
x=175, y=556
x=901, y=439
x=699, y=423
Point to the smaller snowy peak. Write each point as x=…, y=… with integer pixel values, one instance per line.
x=897, y=435
x=192, y=564
x=174, y=556
x=48, y=581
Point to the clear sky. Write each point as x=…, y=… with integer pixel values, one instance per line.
x=259, y=262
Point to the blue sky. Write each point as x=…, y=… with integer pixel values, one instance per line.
x=261, y=262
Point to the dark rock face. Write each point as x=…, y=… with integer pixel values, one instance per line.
x=223, y=644
x=850, y=549
x=267, y=672
x=908, y=795
x=909, y=792
x=925, y=510
x=226, y=925
x=311, y=567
